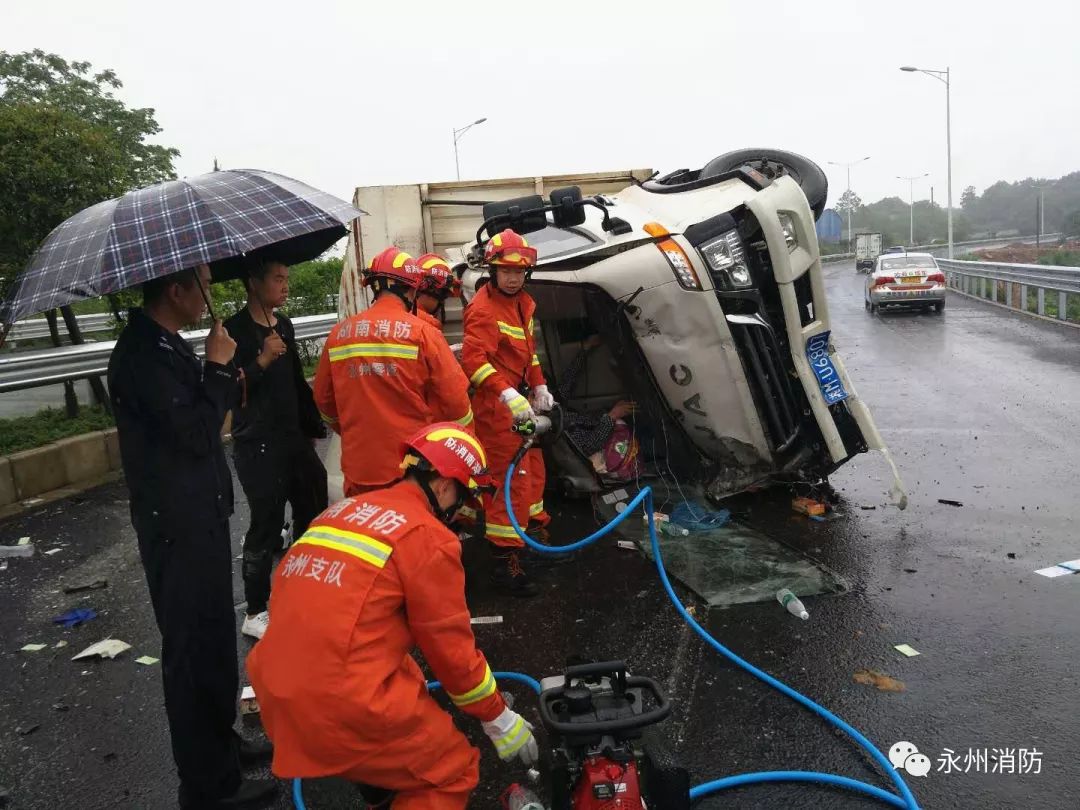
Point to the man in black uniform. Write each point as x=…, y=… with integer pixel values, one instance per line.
x=169, y=411
x=273, y=430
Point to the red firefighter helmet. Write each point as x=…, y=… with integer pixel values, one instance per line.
x=394, y=265
x=451, y=452
x=438, y=278
x=509, y=249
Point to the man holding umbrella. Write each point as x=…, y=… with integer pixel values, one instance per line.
x=169, y=410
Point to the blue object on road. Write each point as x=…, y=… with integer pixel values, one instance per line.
x=75, y=617
x=697, y=518
x=817, y=352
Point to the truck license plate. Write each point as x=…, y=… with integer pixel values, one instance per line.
x=817, y=352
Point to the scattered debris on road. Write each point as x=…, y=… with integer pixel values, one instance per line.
x=1061, y=569
x=907, y=650
x=26, y=731
x=52, y=551
x=947, y=502
x=21, y=549
x=248, y=703
x=486, y=620
x=880, y=681
x=868, y=508
x=808, y=506
x=33, y=647
x=87, y=586
x=146, y=660
x=629, y=545
x=106, y=648
x=75, y=617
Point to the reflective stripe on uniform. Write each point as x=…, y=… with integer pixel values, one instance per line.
x=482, y=373
x=330, y=420
x=485, y=690
x=509, y=743
x=518, y=405
x=535, y=360
x=366, y=548
x=402, y=351
x=532, y=325
x=516, y=332
x=536, y=509
x=497, y=530
x=466, y=420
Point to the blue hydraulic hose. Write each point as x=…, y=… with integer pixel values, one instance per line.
x=906, y=798
x=529, y=681
x=742, y=780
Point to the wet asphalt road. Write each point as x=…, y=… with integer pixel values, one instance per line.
x=978, y=406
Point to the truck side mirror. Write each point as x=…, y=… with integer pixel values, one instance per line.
x=566, y=207
x=523, y=214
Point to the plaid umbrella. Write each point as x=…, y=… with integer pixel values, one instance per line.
x=215, y=219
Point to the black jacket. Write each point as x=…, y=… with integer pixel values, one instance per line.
x=169, y=409
x=275, y=401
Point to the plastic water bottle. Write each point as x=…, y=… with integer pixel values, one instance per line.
x=673, y=529
x=790, y=601
x=518, y=797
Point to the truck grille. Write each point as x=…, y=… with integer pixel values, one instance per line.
x=762, y=362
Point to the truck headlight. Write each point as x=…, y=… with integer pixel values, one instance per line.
x=787, y=224
x=726, y=260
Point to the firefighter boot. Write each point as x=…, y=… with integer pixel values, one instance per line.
x=507, y=573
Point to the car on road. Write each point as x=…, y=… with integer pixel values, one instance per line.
x=706, y=289
x=909, y=280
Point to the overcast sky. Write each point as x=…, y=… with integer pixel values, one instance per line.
x=341, y=94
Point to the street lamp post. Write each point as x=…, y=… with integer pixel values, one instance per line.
x=943, y=76
x=911, y=201
x=848, y=167
x=457, y=136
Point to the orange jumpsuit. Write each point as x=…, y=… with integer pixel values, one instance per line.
x=382, y=376
x=338, y=690
x=499, y=353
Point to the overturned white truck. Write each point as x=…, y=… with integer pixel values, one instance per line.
x=704, y=286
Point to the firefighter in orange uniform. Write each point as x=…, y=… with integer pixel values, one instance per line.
x=438, y=284
x=384, y=373
x=499, y=355
x=374, y=577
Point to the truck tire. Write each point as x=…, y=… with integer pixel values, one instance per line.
x=773, y=163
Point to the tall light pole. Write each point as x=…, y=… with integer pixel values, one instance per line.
x=457, y=136
x=911, y=201
x=943, y=76
x=848, y=167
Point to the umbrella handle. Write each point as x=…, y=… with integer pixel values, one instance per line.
x=205, y=297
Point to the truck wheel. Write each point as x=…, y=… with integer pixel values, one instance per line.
x=774, y=163
x=939, y=307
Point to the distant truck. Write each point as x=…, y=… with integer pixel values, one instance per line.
x=867, y=249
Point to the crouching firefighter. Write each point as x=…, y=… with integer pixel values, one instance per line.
x=499, y=355
x=375, y=576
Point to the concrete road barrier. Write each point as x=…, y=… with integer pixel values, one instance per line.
x=58, y=470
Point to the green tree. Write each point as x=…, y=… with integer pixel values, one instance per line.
x=66, y=142
x=968, y=200
x=849, y=201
